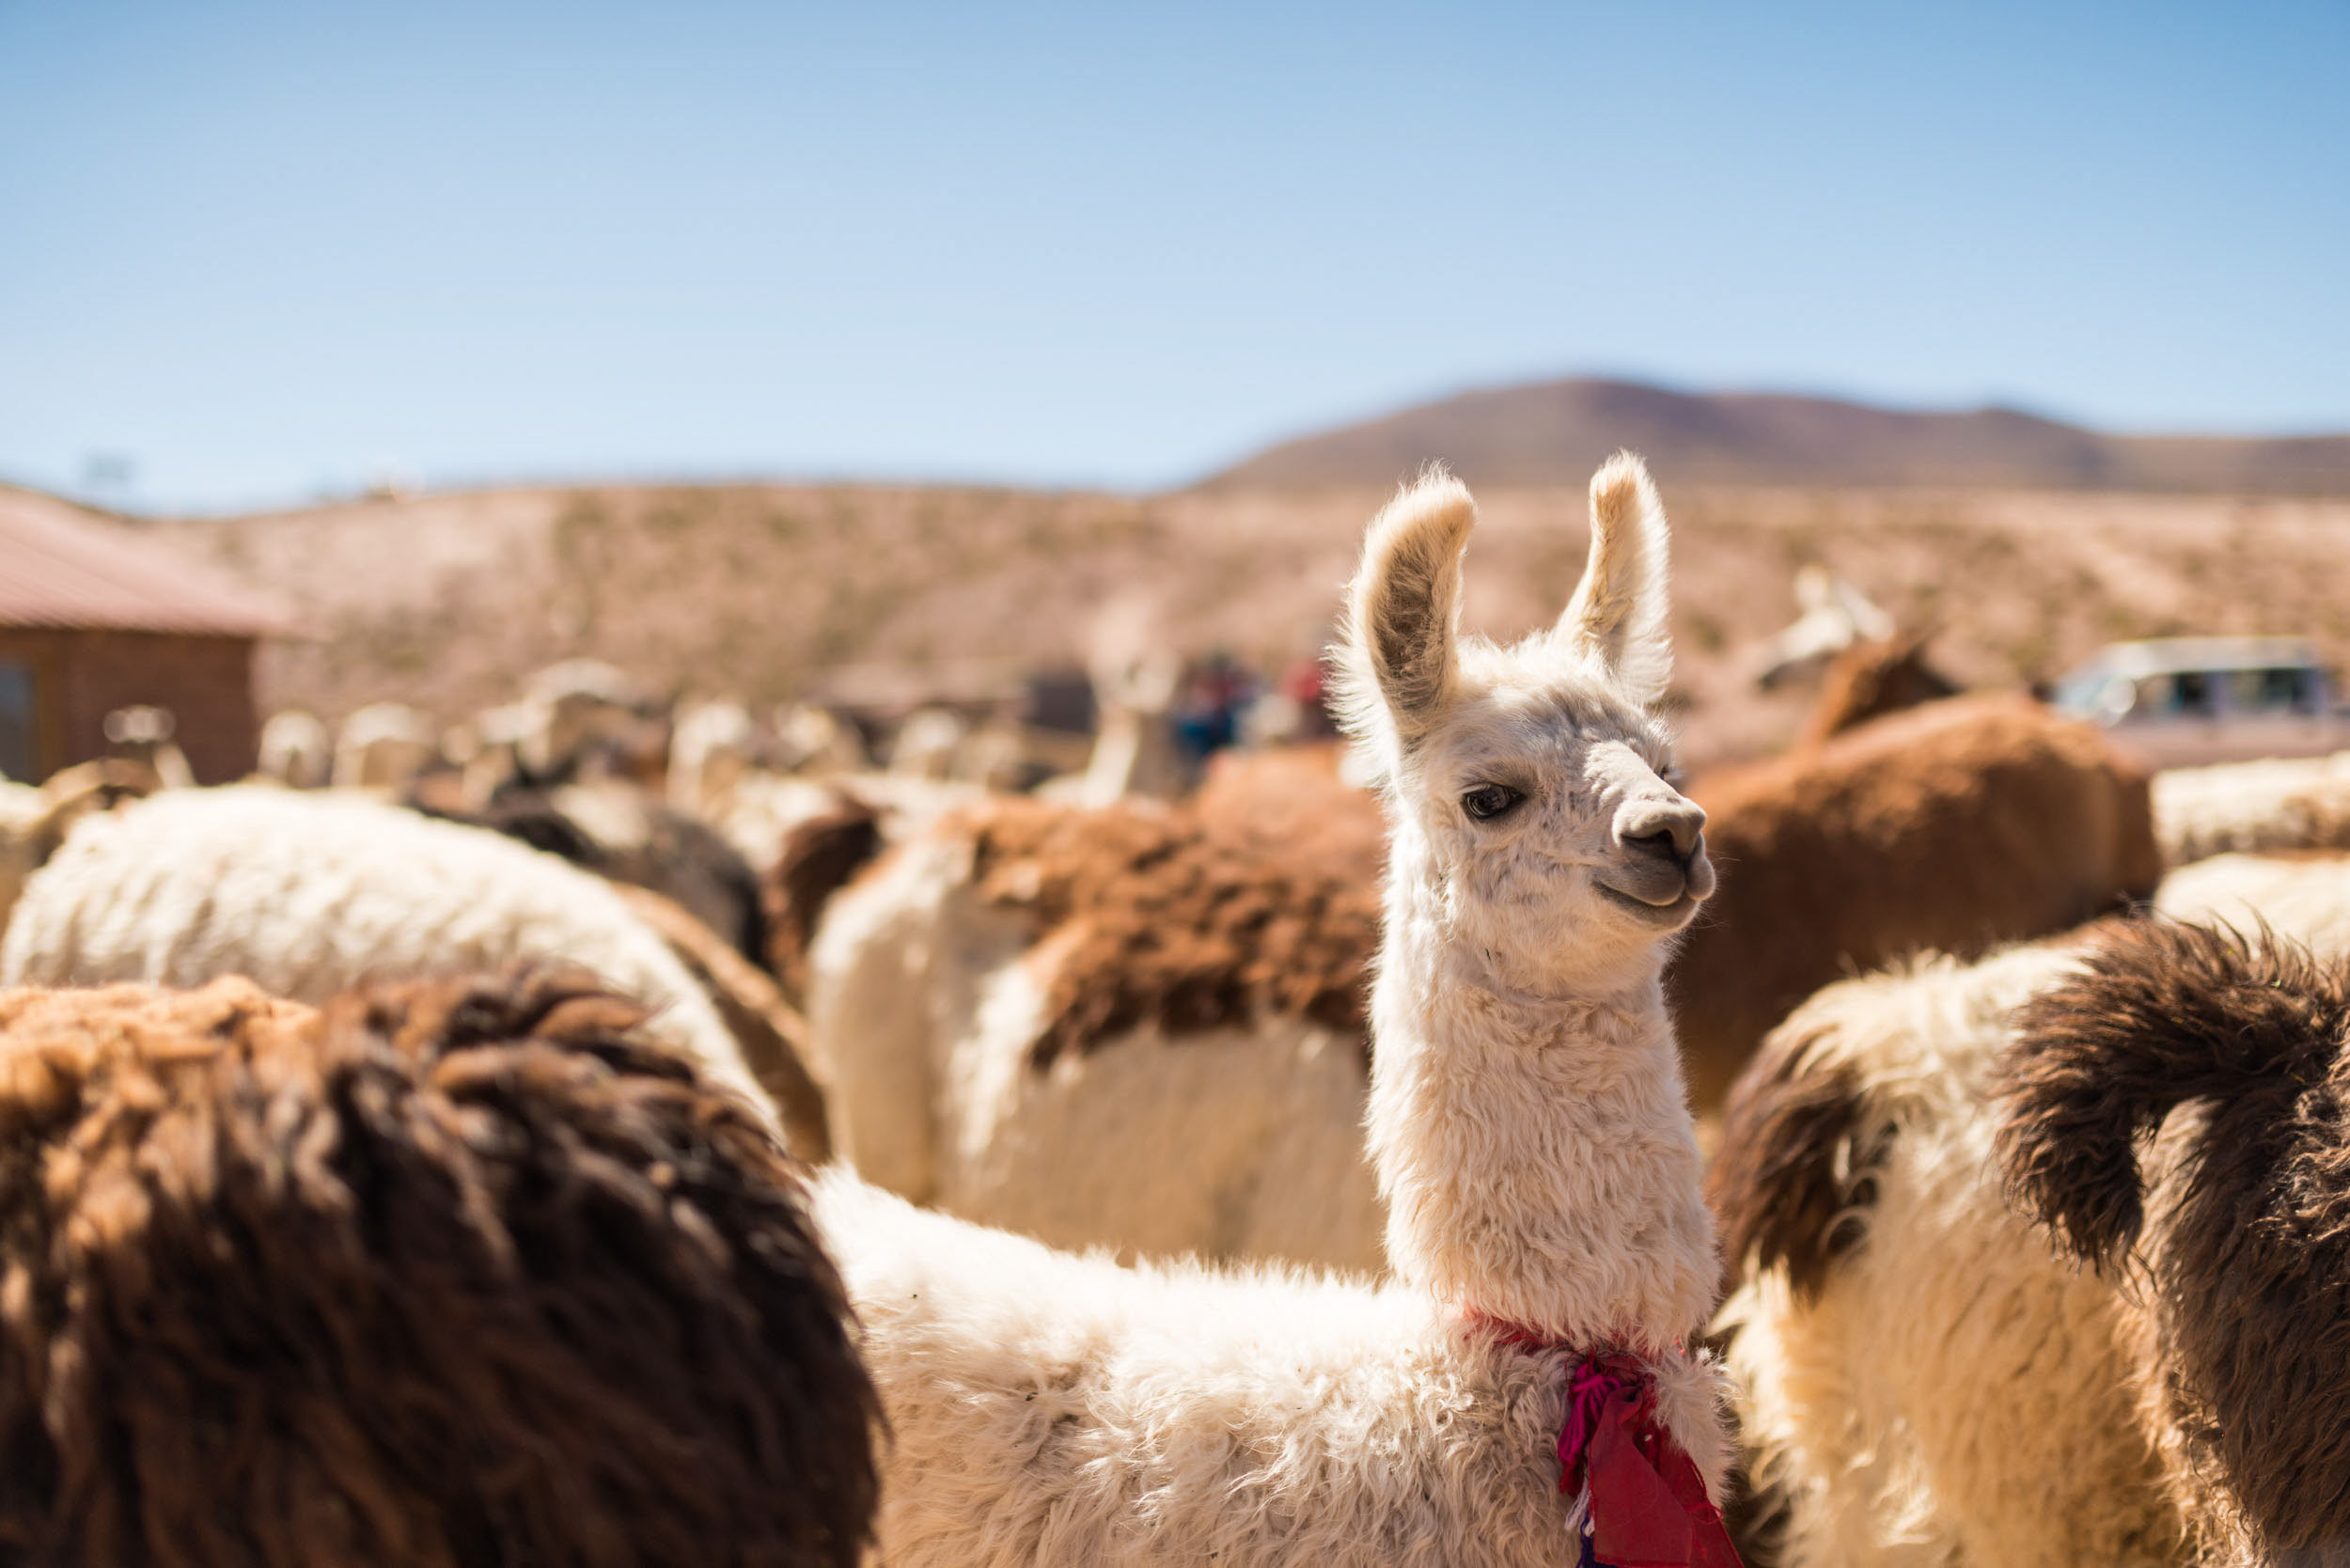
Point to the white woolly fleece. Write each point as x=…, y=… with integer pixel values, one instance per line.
x=1047, y=1407
x=310, y=894
x=2276, y=803
x=1527, y=1125
x=1957, y=1394
x=924, y=1006
x=2306, y=900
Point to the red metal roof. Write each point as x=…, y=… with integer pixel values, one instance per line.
x=61, y=568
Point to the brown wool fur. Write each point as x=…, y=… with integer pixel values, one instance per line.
x=1185, y=920
x=819, y=857
x=1184, y=916
x=1793, y=1166
x=1292, y=800
x=1954, y=826
x=2244, y=1240
x=1870, y=680
x=452, y=1273
x=768, y=1030
x=678, y=857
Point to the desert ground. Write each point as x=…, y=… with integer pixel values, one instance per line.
x=762, y=590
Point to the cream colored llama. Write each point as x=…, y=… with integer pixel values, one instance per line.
x=1530, y=1135
x=1926, y=1380
x=295, y=749
x=2281, y=803
x=383, y=746
x=711, y=747
x=1134, y=742
x=945, y=986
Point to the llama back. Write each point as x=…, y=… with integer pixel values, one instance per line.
x=472, y=1271
x=1122, y=1025
x=2237, y=1208
x=309, y=895
x=1062, y=1407
x=1919, y=1377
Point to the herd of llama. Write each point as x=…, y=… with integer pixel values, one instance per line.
x=1928, y=1149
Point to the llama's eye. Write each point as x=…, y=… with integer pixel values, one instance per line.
x=1488, y=801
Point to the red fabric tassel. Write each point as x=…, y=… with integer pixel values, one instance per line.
x=1649, y=1507
x=1648, y=1502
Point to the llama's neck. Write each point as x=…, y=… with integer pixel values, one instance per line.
x=1535, y=1148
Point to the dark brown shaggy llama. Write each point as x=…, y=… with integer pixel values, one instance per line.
x=1956, y=826
x=821, y=856
x=771, y=1035
x=622, y=833
x=1870, y=680
x=452, y=1273
x=1790, y=1166
x=2243, y=1234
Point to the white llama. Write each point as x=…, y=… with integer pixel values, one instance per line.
x=934, y=978
x=1532, y=1138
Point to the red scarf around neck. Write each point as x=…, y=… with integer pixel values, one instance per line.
x=1639, y=1501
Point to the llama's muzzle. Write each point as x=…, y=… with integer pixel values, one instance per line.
x=1661, y=860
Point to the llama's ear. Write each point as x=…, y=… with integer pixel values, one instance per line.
x=1398, y=653
x=1616, y=619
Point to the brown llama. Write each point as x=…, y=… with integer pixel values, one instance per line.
x=822, y=853
x=2226, y=1226
x=1871, y=678
x=450, y=1273
x=1129, y=1024
x=1954, y=826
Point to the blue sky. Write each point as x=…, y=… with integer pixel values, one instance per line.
x=267, y=251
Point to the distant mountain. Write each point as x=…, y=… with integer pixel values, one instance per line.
x=1555, y=433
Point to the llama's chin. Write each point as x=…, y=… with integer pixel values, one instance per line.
x=1659, y=918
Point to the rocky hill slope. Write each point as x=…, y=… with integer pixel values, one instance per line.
x=1553, y=432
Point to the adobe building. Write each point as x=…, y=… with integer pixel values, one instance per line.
x=93, y=618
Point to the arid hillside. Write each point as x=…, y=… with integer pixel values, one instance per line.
x=758, y=591
x=1553, y=432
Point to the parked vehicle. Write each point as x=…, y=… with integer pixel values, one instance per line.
x=2181, y=702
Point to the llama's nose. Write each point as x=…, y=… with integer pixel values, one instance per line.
x=1670, y=830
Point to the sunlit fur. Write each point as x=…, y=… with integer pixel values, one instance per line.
x=35, y=820
x=1526, y=1122
x=1527, y=1114
x=2280, y=802
x=311, y=893
x=457, y=1273
x=1954, y=1392
x=943, y=997
x=2175, y=1118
